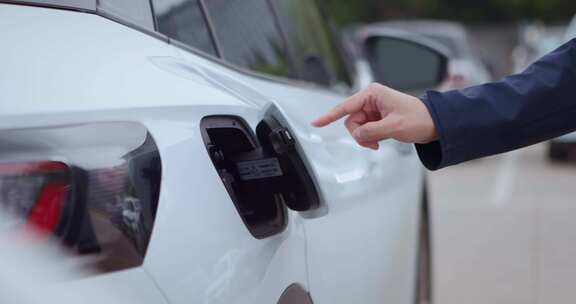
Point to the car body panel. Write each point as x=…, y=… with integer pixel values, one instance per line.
x=40, y=272
x=232, y=265
x=362, y=189
x=136, y=287
x=74, y=68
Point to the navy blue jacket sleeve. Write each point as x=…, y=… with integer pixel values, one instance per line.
x=520, y=110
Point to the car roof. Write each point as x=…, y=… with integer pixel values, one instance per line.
x=424, y=26
x=83, y=5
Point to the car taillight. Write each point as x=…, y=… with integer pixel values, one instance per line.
x=36, y=192
x=99, y=198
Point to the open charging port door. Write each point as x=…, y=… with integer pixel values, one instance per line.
x=298, y=189
x=234, y=150
x=263, y=174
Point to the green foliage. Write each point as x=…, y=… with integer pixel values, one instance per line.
x=475, y=11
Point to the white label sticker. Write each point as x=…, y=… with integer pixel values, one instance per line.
x=257, y=169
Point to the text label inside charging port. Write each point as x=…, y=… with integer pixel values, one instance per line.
x=257, y=169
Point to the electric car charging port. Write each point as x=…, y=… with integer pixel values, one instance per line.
x=247, y=174
x=298, y=189
x=263, y=174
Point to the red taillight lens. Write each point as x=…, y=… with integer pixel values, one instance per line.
x=48, y=210
x=36, y=191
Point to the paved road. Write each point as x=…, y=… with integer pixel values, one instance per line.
x=505, y=230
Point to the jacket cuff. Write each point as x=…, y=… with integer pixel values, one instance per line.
x=434, y=155
x=430, y=155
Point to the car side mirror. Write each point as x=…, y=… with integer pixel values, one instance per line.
x=405, y=64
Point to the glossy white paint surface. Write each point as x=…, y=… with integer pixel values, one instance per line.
x=372, y=198
x=68, y=68
x=40, y=272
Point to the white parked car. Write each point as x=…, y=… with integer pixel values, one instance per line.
x=395, y=64
x=167, y=145
x=537, y=41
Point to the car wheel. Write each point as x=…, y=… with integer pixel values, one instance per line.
x=424, y=260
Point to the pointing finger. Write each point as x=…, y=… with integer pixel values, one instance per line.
x=372, y=145
x=351, y=105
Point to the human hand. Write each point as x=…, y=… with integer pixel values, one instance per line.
x=378, y=113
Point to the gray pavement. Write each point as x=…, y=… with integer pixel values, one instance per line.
x=505, y=230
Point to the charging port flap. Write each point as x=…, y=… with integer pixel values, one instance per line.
x=263, y=174
x=298, y=188
x=248, y=175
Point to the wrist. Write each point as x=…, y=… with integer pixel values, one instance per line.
x=428, y=130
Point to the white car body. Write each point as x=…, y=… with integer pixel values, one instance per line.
x=68, y=68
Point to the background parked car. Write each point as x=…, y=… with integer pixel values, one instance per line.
x=504, y=226
x=465, y=67
x=393, y=67
x=534, y=41
x=537, y=40
x=564, y=147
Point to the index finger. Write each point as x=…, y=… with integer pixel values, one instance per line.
x=351, y=105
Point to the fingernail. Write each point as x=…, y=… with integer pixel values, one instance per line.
x=316, y=122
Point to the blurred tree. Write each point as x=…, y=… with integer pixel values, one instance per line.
x=470, y=11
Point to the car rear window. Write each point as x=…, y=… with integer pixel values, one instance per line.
x=183, y=20
x=249, y=37
x=137, y=12
x=309, y=37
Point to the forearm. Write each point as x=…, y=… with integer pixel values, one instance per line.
x=497, y=117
